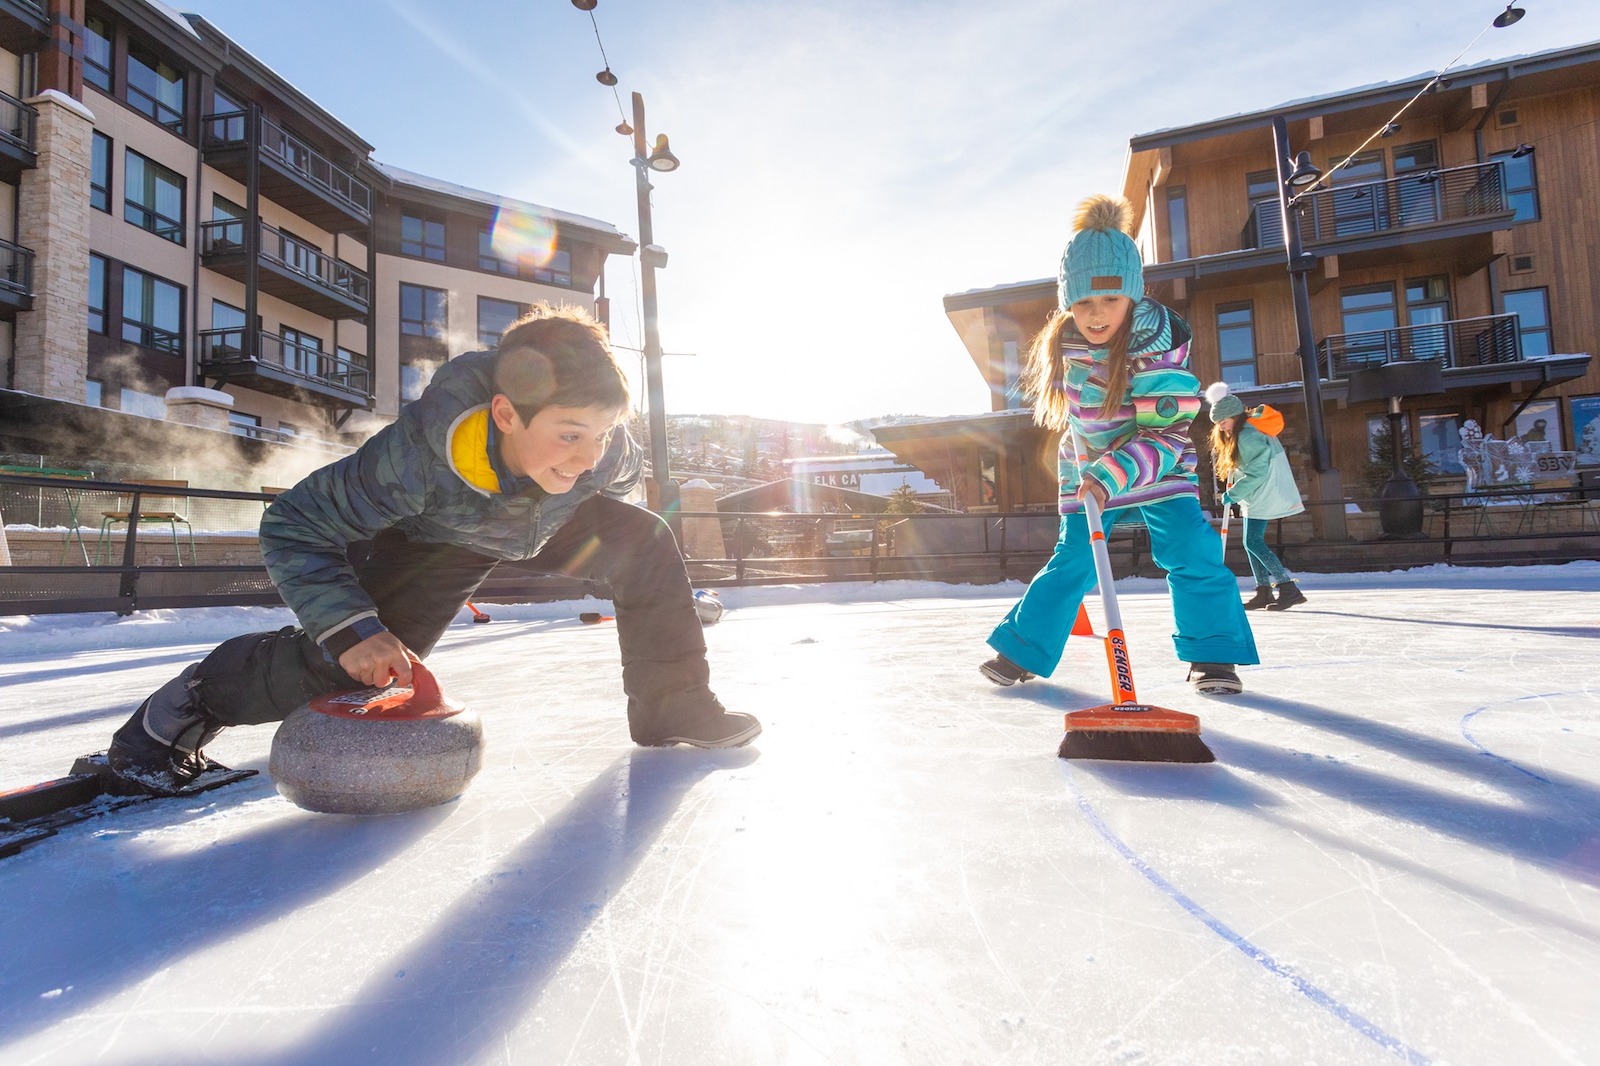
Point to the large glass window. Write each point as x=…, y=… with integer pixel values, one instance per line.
x=1178, y=220
x=489, y=259
x=422, y=311
x=1441, y=441
x=1416, y=192
x=100, y=173
x=97, y=293
x=227, y=118
x=1369, y=318
x=302, y=353
x=1236, y=344
x=152, y=312
x=1427, y=311
x=1522, y=188
x=1363, y=208
x=155, y=88
x=422, y=235
x=154, y=197
x=1532, y=308
x=558, y=271
x=493, y=318
x=97, y=53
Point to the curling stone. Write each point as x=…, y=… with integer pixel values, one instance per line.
x=708, y=605
x=377, y=750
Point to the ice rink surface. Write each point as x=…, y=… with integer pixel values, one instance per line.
x=1395, y=858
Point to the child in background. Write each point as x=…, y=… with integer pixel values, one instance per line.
x=1256, y=471
x=1113, y=365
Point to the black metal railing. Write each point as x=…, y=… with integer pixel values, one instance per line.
x=230, y=129
x=309, y=262
x=19, y=122
x=1412, y=200
x=222, y=346
x=1458, y=343
x=16, y=268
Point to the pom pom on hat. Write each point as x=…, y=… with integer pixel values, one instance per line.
x=1224, y=404
x=1101, y=259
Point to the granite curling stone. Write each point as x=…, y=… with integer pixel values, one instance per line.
x=377, y=751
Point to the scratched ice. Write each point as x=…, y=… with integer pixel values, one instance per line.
x=1395, y=857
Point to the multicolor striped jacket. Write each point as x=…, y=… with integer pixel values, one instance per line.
x=1142, y=453
x=428, y=475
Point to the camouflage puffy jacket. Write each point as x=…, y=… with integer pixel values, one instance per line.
x=411, y=476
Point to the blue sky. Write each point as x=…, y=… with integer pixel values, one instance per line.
x=845, y=164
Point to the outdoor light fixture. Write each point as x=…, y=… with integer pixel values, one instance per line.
x=1522, y=150
x=1506, y=18
x=1305, y=173
x=605, y=77
x=585, y=5
x=1390, y=130
x=661, y=157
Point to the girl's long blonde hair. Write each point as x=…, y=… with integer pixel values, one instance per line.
x=1225, y=447
x=1044, y=377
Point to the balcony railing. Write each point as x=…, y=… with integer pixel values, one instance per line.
x=19, y=122
x=1458, y=343
x=338, y=369
x=1452, y=194
x=315, y=266
x=16, y=268
x=229, y=129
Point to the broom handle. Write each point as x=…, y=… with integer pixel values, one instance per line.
x=1116, y=642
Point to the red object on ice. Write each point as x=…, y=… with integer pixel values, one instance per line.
x=421, y=699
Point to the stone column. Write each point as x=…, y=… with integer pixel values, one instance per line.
x=196, y=406
x=52, y=346
x=702, y=537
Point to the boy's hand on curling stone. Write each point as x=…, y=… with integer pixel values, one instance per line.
x=378, y=658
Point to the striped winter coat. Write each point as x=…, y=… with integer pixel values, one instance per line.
x=1142, y=453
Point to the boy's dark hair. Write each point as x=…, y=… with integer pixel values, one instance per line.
x=558, y=356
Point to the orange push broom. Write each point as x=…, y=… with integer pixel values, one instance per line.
x=1124, y=730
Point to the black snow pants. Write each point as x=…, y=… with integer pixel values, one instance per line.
x=420, y=588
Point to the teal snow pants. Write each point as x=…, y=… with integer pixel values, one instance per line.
x=1212, y=627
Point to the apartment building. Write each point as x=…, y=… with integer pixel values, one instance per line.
x=187, y=240
x=1461, y=236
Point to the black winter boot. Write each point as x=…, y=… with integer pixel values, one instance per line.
x=158, y=750
x=1003, y=671
x=1288, y=595
x=1262, y=598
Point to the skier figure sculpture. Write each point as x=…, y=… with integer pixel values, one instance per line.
x=515, y=454
x=1254, y=467
x=1112, y=366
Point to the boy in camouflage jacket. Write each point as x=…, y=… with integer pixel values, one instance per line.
x=512, y=455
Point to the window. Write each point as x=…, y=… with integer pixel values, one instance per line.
x=155, y=88
x=1236, y=344
x=97, y=53
x=422, y=236
x=1011, y=370
x=1378, y=437
x=243, y=425
x=154, y=198
x=1369, y=318
x=1441, y=441
x=493, y=318
x=227, y=119
x=1261, y=191
x=302, y=353
x=97, y=294
x=1532, y=308
x=414, y=377
x=94, y=393
x=100, y=173
x=1178, y=221
x=1427, y=312
x=988, y=479
x=489, y=259
x=422, y=311
x=558, y=271
x=350, y=369
x=1417, y=193
x=152, y=312
x=227, y=232
x=1363, y=209
x=1522, y=190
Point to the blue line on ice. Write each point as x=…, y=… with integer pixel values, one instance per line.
x=1251, y=951
x=1467, y=719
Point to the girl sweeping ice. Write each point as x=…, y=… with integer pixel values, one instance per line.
x=1114, y=366
x=1255, y=469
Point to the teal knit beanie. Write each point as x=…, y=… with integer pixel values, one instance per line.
x=1101, y=259
x=1224, y=404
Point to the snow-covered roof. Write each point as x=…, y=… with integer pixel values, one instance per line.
x=401, y=176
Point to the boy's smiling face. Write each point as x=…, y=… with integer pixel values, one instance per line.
x=557, y=446
x=1099, y=317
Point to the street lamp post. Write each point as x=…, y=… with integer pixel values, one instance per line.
x=1327, y=516
x=652, y=256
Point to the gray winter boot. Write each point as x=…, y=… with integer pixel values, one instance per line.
x=1289, y=594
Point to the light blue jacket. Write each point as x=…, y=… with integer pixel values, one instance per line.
x=1263, y=483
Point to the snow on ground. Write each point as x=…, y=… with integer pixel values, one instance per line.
x=1395, y=857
